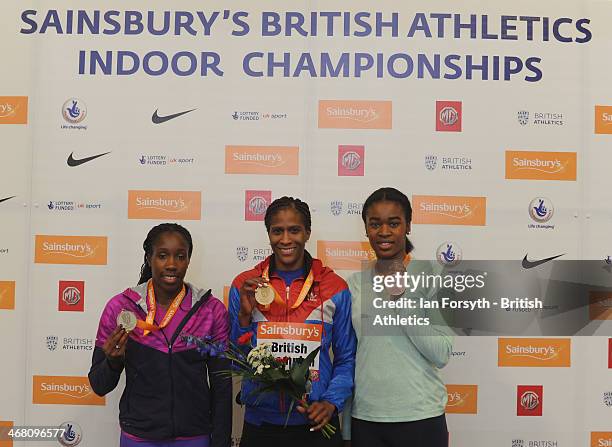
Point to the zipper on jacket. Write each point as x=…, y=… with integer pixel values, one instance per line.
x=287, y=304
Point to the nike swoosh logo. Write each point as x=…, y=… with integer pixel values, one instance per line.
x=531, y=264
x=162, y=119
x=72, y=162
x=7, y=198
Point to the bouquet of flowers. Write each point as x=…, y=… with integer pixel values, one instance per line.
x=260, y=366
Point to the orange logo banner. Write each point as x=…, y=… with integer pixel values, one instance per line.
x=334, y=114
x=64, y=390
x=176, y=205
x=534, y=352
x=603, y=119
x=341, y=255
x=4, y=427
x=13, y=109
x=7, y=295
x=268, y=160
x=449, y=210
x=601, y=439
x=86, y=250
x=462, y=399
x=600, y=305
x=526, y=165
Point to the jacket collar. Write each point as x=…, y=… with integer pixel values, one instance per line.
x=138, y=294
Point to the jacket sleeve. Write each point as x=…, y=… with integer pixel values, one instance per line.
x=102, y=376
x=220, y=384
x=344, y=345
x=234, y=308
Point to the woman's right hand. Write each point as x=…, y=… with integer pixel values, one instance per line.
x=115, y=345
x=247, y=299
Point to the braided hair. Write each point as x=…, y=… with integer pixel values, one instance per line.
x=149, y=242
x=285, y=203
x=390, y=195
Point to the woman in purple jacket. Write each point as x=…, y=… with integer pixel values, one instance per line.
x=167, y=400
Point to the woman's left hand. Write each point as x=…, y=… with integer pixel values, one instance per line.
x=319, y=413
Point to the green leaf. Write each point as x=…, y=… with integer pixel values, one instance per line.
x=299, y=374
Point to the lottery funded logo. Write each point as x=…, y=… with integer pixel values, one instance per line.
x=294, y=341
x=255, y=204
x=462, y=399
x=529, y=400
x=74, y=111
x=351, y=161
x=449, y=254
x=72, y=434
x=541, y=210
x=448, y=116
x=13, y=110
x=71, y=296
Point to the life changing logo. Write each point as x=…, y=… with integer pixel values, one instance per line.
x=344, y=255
x=59, y=206
x=462, y=399
x=156, y=160
x=529, y=400
x=449, y=254
x=70, y=344
x=540, y=118
x=448, y=116
x=449, y=210
x=340, y=208
x=71, y=296
x=534, y=352
x=448, y=163
x=255, y=204
x=7, y=295
x=528, y=165
x=74, y=111
x=13, y=109
x=351, y=161
x=87, y=250
x=335, y=114
x=180, y=205
x=541, y=210
x=72, y=434
x=266, y=160
x=64, y=390
x=603, y=119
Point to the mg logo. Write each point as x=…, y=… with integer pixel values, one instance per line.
x=258, y=205
x=351, y=160
x=51, y=342
x=449, y=116
x=71, y=296
x=242, y=253
x=336, y=207
x=431, y=162
x=523, y=117
x=530, y=400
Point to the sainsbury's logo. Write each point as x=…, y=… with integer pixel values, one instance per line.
x=601, y=439
x=179, y=205
x=268, y=160
x=338, y=114
x=462, y=399
x=64, y=390
x=450, y=210
x=534, y=352
x=89, y=250
x=603, y=119
x=344, y=255
x=7, y=295
x=13, y=109
x=527, y=165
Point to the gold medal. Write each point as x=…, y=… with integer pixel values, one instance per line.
x=264, y=295
x=127, y=320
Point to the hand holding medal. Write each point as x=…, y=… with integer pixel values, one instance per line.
x=252, y=290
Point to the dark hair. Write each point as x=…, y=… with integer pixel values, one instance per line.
x=154, y=234
x=388, y=194
x=288, y=202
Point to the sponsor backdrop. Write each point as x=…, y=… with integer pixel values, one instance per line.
x=497, y=122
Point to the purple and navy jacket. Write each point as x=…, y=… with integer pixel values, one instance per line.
x=167, y=393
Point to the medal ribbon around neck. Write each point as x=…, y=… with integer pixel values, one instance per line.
x=277, y=298
x=152, y=304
